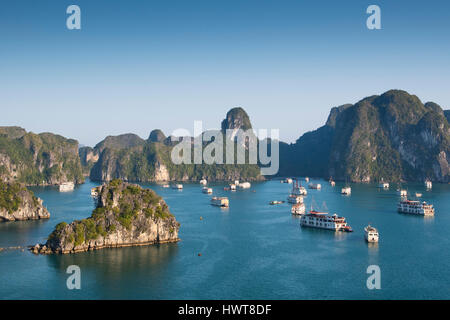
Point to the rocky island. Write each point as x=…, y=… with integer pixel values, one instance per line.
x=18, y=203
x=125, y=215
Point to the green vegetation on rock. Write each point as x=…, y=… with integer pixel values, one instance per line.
x=124, y=211
x=393, y=136
x=38, y=159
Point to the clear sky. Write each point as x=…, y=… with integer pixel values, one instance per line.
x=139, y=65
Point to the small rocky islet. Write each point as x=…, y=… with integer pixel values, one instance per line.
x=17, y=203
x=126, y=215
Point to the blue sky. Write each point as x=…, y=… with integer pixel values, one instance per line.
x=140, y=65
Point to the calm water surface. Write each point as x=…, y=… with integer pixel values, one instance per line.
x=250, y=251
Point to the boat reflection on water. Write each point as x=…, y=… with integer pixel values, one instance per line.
x=373, y=246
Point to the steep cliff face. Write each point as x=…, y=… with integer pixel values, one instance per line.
x=130, y=158
x=447, y=115
x=19, y=203
x=393, y=136
x=88, y=157
x=38, y=159
x=236, y=119
x=126, y=215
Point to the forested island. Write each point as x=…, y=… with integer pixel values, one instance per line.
x=125, y=215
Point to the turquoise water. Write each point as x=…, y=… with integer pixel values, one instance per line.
x=250, y=251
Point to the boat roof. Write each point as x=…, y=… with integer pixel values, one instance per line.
x=317, y=212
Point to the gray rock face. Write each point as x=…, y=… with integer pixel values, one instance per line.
x=157, y=136
x=38, y=159
x=392, y=136
x=126, y=215
x=18, y=204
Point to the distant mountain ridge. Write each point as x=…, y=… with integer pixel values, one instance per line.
x=131, y=158
x=392, y=136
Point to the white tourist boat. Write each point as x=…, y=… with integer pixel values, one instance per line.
x=244, y=185
x=220, y=201
x=287, y=180
x=415, y=207
x=177, y=186
x=332, y=182
x=346, y=191
x=402, y=192
x=204, y=182
x=316, y=186
x=207, y=190
x=95, y=192
x=298, y=209
x=306, y=179
x=383, y=185
x=165, y=186
x=292, y=198
x=66, y=186
x=232, y=187
x=371, y=234
x=321, y=220
x=428, y=184
x=297, y=189
x=418, y=195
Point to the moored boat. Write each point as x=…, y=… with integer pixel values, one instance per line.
x=95, y=192
x=276, y=202
x=297, y=189
x=321, y=220
x=66, y=186
x=415, y=207
x=244, y=185
x=383, y=185
x=346, y=191
x=316, y=186
x=292, y=198
x=203, y=182
x=177, y=186
x=298, y=209
x=428, y=184
x=220, y=201
x=207, y=190
x=371, y=234
x=402, y=192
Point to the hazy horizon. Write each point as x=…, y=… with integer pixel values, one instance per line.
x=138, y=66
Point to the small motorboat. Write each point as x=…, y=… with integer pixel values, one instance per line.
x=347, y=229
x=276, y=202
